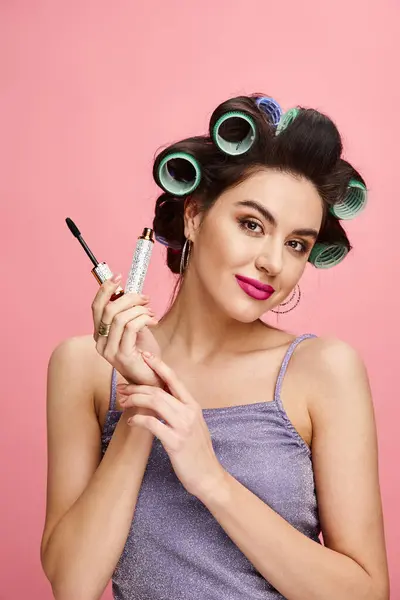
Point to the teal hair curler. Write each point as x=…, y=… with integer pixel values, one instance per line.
x=325, y=256
x=353, y=203
x=287, y=118
x=241, y=146
x=173, y=179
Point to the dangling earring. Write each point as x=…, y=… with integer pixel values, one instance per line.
x=187, y=246
x=296, y=291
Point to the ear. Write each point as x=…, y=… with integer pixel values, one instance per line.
x=192, y=218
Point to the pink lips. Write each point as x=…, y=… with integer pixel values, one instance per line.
x=254, y=288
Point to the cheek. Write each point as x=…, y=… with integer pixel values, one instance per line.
x=292, y=272
x=224, y=247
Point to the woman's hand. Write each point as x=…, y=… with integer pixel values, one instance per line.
x=129, y=318
x=184, y=435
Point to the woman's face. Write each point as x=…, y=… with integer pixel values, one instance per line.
x=262, y=230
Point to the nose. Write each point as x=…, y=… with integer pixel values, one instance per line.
x=270, y=258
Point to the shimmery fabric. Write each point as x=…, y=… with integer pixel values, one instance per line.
x=175, y=549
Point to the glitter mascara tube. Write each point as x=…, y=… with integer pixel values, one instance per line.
x=140, y=262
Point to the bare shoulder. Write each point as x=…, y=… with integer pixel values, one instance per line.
x=332, y=365
x=75, y=349
x=75, y=361
x=331, y=351
x=78, y=353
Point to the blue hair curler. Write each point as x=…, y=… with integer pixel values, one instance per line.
x=325, y=256
x=162, y=240
x=286, y=119
x=237, y=147
x=167, y=177
x=271, y=108
x=353, y=203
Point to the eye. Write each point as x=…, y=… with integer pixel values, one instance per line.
x=250, y=226
x=297, y=246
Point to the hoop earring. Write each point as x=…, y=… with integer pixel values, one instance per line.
x=296, y=291
x=187, y=246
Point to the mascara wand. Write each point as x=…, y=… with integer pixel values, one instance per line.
x=101, y=271
x=75, y=232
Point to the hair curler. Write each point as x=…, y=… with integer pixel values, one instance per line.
x=353, y=203
x=325, y=256
x=178, y=173
x=227, y=126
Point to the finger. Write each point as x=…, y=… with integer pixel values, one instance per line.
x=131, y=389
x=132, y=318
x=114, y=308
x=129, y=335
x=169, y=377
x=112, y=340
x=127, y=389
x=163, y=432
x=103, y=296
x=125, y=302
x=158, y=403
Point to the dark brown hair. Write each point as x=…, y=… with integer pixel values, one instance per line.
x=310, y=146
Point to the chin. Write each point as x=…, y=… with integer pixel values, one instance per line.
x=244, y=311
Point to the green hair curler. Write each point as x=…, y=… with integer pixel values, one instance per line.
x=170, y=183
x=287, y=118
x=325, y=256
x=237, y=147
x=353, y=203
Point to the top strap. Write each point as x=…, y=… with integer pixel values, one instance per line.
x=113, y=395
x=285, y=363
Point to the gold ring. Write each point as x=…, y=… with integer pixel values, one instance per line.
x=104, y=329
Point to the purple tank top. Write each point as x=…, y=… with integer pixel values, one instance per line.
x=175, y=548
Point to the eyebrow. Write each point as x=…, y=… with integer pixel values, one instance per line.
x=264, y=212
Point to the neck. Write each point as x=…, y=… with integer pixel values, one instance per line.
x=199, y=329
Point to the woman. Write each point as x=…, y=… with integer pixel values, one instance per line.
x=228, y=445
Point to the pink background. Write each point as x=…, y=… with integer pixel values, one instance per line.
x=89, y=90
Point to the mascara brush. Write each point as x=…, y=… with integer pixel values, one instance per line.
x=101, y=271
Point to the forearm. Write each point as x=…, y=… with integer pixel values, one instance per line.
x=84, y=548
x=298, y=567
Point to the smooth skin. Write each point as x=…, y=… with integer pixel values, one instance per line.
x=213, y=350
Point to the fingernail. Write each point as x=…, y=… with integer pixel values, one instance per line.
x=116, y=278
x=147, y=354
x=144, y=297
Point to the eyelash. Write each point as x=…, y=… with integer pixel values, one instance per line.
x=244, y=221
